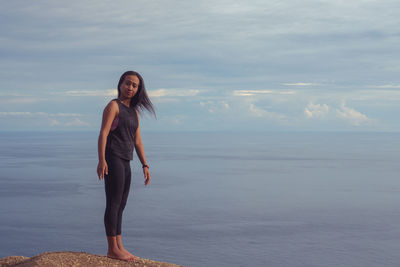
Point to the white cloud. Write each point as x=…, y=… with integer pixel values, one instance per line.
x=212, y=106
x=172, y=92
x=316, y=111
x=156, y=100
x=109, y=92
x=30, y=114
x=256, y=92
x=53, y=122
x=52, y=119
x=177, y=119
x=353, y=116
x=387, y=86
x=225, y=104
x=66, y=114
x=19, y=100
x=259, y=112
x=76, y=122
x=16, y=114
x=301, y=84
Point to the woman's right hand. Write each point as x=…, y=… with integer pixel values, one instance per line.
x=102, y=169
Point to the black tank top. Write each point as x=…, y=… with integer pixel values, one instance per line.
x=120, y=141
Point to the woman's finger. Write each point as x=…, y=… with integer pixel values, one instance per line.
x=146, y=177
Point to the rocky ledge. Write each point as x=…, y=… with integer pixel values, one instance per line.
x=75, y=259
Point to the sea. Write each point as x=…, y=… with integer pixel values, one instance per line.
x=323, y=199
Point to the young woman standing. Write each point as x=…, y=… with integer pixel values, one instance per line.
x=119, y=137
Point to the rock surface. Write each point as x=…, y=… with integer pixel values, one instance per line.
x=76, y=259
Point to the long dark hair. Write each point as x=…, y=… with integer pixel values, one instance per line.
x=140, y=100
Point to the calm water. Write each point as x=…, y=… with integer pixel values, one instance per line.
x=216, y=199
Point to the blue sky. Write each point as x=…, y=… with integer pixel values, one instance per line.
x=208, y=65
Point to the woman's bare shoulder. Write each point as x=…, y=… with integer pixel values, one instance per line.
x=112, y=106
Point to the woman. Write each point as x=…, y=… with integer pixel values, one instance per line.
x=119, y=137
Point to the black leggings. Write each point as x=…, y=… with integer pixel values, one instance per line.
x=117, y=184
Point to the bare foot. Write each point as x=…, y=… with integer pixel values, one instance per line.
x=130, y=255
x=119, y=255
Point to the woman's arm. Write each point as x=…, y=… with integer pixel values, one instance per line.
x=140, y=152
x=109, y=114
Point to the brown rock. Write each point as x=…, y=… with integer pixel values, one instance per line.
x=75, y=259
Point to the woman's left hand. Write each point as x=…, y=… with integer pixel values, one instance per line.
x=146, y=174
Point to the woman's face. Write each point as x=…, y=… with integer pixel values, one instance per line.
x=129, y=86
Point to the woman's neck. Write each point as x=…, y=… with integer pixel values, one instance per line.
x=125, y=101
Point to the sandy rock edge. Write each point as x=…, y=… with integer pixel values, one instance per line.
x=73, y=258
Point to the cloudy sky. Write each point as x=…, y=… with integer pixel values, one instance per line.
x=216, y=65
